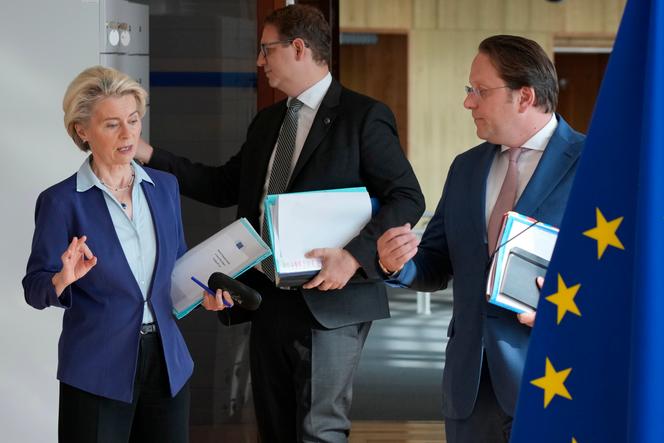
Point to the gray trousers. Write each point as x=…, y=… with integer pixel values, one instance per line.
x=302, y=374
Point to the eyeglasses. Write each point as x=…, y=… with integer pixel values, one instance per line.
x=481, y=92
x=265, y=46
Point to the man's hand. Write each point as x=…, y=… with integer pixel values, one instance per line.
x=338, y=267
x=528, y=318
x=396, y=246
x=143, y=151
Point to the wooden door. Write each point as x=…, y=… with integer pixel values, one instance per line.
x=579, y=76
x=380, y=71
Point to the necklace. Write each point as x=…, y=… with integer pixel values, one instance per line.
x=121, y=188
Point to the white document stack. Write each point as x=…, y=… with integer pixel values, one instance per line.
x=300, y=222
x=232, y=251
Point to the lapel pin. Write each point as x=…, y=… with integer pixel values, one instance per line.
x=327, y=120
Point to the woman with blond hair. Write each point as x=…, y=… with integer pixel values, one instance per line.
x=106, y=240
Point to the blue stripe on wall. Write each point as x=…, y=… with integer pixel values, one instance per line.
x=203, y=79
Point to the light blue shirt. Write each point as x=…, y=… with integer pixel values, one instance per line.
x=137, y=235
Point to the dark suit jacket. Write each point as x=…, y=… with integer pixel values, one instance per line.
x=98, y=348
x=352, y=142
x=455, y=244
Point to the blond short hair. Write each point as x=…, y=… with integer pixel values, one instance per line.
x=89, y=88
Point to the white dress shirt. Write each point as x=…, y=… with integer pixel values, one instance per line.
x=311, y=100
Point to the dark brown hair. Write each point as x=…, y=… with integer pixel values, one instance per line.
x=307, y=23
x=522, y=62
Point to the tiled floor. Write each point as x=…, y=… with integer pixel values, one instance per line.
x=397, y=432
x=397, y=387
x=400, y=373
x=362, y=432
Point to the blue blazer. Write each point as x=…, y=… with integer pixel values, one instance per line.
x=455, y=245
x=99, y=343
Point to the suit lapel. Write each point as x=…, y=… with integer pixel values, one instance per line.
x=96, y=204
x=559, y=156
x=157, y=222
x=478, y=189
x=327, y=113
x=269, y=134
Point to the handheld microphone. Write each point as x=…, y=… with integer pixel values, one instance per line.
x=241, y=294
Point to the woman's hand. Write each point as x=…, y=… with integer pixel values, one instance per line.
x=77, y=260
x=216, y=302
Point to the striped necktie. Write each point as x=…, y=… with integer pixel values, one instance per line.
x=281, y=169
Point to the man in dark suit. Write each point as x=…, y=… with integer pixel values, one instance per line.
x=527, y=164
x=306, y=342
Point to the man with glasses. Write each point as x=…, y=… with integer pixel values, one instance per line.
x=306, y=342
x=527, y=164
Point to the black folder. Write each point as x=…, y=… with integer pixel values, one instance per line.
x=521, y=270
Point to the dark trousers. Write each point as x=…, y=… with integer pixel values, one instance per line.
x=302, y=374
x=488, y=423
x=153, y=415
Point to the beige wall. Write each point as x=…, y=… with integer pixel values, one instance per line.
x=443, y=39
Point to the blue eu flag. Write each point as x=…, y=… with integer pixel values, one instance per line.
x=595, y=366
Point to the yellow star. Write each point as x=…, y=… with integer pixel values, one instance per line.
x=564, y=299
x=605, y=233
x=553, y=383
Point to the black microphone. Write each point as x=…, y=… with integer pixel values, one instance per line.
x=241, y=294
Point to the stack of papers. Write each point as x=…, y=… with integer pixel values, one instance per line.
x=302, y=221
x=525, y=249
x=232, y=251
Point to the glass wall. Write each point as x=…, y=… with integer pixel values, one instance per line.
x=203, y=97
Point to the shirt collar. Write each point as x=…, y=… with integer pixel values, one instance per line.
x=541, y=138
x=313, y=96
x=86, y=179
